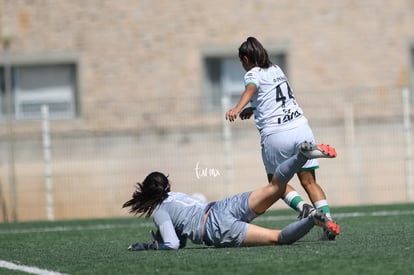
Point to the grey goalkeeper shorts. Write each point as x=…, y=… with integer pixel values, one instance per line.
x=228, y=220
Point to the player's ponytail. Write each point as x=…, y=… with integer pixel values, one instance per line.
x=255, y=52
x=149, y=194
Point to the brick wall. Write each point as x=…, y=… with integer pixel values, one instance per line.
x=142, y=57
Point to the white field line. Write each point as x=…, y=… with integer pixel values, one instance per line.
x=149, y=224
x=27, y=269
x=35, y=270
x=74, y=228
x=347, y=215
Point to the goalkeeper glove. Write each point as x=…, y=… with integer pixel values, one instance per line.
x=143, y=246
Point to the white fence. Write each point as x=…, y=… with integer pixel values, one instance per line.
x=94, y=173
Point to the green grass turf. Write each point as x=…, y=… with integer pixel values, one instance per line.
x=374, y=240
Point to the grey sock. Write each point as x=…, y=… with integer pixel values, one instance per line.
x=287, y=169
x=295, y=231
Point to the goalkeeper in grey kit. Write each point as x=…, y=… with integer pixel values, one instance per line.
x=225, y=223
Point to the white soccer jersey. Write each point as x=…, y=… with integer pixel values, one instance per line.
x=275, y=107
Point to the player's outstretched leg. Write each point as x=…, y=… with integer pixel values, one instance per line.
x=312, y=151
x=309, y=217
x=330, y=228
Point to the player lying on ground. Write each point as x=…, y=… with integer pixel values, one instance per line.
x=225, y=223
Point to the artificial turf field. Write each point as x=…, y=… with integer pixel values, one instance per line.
x=374, y=240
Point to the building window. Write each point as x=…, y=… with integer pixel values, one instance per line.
x=223, y=76
x=32, y=85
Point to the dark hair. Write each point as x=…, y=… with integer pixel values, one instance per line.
x=149, y=194
x=255, y=52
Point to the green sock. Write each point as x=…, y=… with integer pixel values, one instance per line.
x=294, y=200
x=324, y=207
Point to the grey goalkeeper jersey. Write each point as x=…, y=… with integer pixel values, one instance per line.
x=179, y=217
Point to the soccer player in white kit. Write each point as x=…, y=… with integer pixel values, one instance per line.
x=280, y=121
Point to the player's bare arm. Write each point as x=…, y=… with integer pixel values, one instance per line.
x=245, y=98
